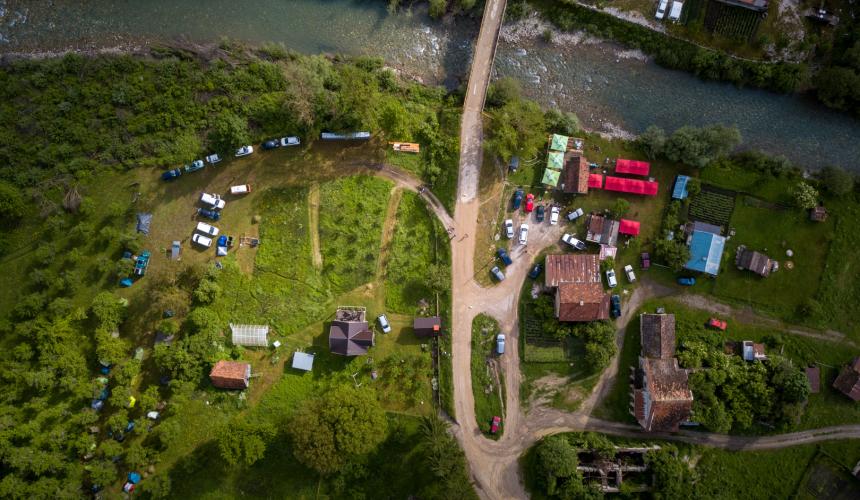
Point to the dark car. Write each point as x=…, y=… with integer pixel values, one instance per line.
x=503, y=254
x=615, y=306
x=687, y=281
x=171, y=174
x=535, y=272
x=540, y=213
x=646, y=260
x=518, y=199
x=209, y=214
x=272, y=144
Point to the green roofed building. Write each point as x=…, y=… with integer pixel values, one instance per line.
x=558, y=143
x=550, y=177
x=555, y=160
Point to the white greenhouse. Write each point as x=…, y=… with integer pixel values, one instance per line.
x=250, y=335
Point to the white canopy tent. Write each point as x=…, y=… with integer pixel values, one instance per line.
x=250, y=335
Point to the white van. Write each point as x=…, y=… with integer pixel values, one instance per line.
x=675, y=13
x=661, y=9
x=240, y=189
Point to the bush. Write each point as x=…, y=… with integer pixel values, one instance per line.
x=805, y=196
x=12, y=206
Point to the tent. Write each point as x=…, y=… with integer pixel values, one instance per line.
x=143, y=222
x=630, y=227
x=632, y=167
x=558, y=142
x=303, y=361
x=126, y=282
x=679, y=192
x=250, y=335
x=633, y=186
x=550, y=177
x=555, y=160
x=595, y=181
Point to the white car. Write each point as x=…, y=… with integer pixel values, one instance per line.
x=628, y=270
x=290, y=141
x=610, y=278
x=524, y=234
x=500, y=343
x=575, y=215
x=572, y=241
x=661, y=9
x=509, y=228
x=201, y=240
x=207, y=229
x=213, y=200
x=240, y=189
x=213, y=158
x=244, y=151
x=553, y=215
x=383, y=323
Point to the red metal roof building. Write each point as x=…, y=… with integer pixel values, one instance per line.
x=634, y=186
x=632, y=167
x=630, y=227
x=595, y=181
x=230, y=375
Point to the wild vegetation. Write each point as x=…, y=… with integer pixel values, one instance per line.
x=488, y=382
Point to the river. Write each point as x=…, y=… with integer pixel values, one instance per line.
x=609, y=88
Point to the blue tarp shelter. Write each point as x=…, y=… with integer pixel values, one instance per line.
x=126, y=282
x=706, y=251
x=144, y=220
x=679, y=192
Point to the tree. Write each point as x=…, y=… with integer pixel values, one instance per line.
x=620, y=208
x=674, y=254
x=653, y=140
x=698, y=147
x=837, y=180
x=805, y=196
x=243, y=442
x=228, y=132
x=694, y=187
x=109, y=309
x=556, y=462
x=565, y=123
x=516, y=129
x=503, y=91
x=12, y=205
x=673, y=477
x=333, y=429
x=600, y=345
x=437, y=8
x=444, y=458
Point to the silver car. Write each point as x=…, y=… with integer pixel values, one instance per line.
x=383, y=323
x=524, y=234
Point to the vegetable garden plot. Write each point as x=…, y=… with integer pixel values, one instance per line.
x=712, y=206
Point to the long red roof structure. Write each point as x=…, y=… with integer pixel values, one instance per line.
x=633, y=167
x=595, y=181
x=633, y=186
x=630, y=227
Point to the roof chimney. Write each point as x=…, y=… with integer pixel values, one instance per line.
x=581, y=303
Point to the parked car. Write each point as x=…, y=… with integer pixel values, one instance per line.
x=272, y=144
x=661, y=9
x=530, y=202
x=290, y=141
x=244, y=151
x=572, y=216
x=518, y=199
x=213, y=158
x=615, y=306
x=495, y=425
x=503, y=254
x=553, y=215
x=687, y=281
x=535, y=272
x=540, y=213
x=201, y=240
x=207, y=229
x=717, y=323
x=514, y=164
x=572, y=241
x=628, y=270
x=240, y=189
x=171, y=174
x=524, y=234
x=383, y=323
x=209, y=214
x=213, y=200
x=500, y=343
x=646, y=260
x=610, y=278
x=509, y=228
x=497, y=273
x=195, y=166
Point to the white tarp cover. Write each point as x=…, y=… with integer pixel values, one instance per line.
x=250, y=335
x=303, y=361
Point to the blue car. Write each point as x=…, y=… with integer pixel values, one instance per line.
x=518, y=199
x=687, y=281
x=615, y=306
x=171, y=174
x=503, y=254
x=535, y=272
x=209, y=214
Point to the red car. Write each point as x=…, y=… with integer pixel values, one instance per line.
x=530, y=202
x=718, y=324
x=494, y=427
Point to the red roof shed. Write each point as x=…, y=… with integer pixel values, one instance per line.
x=630, y=227
x=595, y=181
x=633, y=186
x=632, y=167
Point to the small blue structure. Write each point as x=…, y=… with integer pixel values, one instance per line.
x=679, y=192
x=126, y=282
x=133, y=477
x=706, y=252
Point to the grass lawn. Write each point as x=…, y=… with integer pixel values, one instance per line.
x=752, y=474
x=488, y=381
x=838, y=298
x=773, y=232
